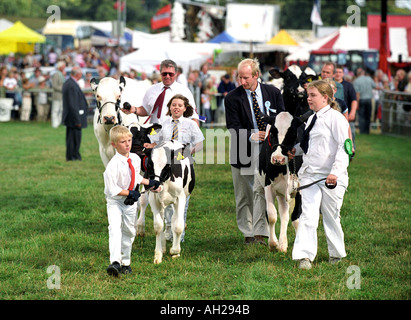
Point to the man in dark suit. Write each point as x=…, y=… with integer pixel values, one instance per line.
x=246, y=138
x=74, y=114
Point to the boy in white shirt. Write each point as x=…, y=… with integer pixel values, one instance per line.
x=121, y=177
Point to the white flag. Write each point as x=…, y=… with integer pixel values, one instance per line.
x=315, y=16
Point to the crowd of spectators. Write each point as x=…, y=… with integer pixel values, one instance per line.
x=20, y=73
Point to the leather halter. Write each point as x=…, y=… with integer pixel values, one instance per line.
x=275, y=145
x=117, y=105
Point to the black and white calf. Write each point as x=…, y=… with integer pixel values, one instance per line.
x=275, y=175
x=172, y=165
x=140, y=136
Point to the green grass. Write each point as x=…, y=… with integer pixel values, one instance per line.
x=53, y=213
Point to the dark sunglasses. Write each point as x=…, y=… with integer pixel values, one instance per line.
x=164, y=74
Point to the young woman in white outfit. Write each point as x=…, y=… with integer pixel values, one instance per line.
x=325, y=158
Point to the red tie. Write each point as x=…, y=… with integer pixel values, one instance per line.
x=158, y=104
x=133, y=174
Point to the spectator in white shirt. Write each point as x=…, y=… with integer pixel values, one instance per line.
x=181, y=78
x=43, y=107
x=324, y=159
x=10, y=83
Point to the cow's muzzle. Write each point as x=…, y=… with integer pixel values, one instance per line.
x=109, y=120
x=277, y=160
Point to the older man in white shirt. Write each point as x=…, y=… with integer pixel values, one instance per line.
x=324, y=157
x=155, y=109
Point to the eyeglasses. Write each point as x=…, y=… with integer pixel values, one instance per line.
x=170, y=74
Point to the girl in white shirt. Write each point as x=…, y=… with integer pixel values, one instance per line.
x=325, y=158
x=179, y=109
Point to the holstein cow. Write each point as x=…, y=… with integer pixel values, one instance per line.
x=171, y=164
x=292, y=86
x=274, y=173
x=294, y=94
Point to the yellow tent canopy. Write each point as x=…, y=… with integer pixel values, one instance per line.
x=283, y=38
x=19, y=38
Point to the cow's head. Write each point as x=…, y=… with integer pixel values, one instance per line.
x=108, y=93
x=140, y=136
x=282, y=136
x=308, y=75
x=294, y=93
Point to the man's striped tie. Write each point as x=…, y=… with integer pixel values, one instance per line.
x=261, y=125
x=175, y=130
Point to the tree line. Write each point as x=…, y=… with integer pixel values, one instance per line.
x=295, y=14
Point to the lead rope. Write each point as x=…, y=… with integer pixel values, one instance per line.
x=295, y=183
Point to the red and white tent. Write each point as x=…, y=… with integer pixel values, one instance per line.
x=364, y=38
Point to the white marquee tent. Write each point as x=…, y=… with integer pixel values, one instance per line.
x=187, y=55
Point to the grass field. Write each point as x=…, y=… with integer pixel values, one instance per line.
x=53, y=213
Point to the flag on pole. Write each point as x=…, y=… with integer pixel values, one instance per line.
x=117, y=4
x=162, y=18
x=315, y=14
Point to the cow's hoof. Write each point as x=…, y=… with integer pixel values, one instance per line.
x=273, y=245
x=282, y=247
x=158, y=258
x=140, y=231
x=175, y=256
x=174, y=252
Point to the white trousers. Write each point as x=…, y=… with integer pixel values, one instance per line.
x=121, y=229
x=56, y=113
x=250, y=204
x=25, y=109
x=315, y=199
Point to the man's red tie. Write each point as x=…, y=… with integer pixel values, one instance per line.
x=133, y=174
x=158, y=105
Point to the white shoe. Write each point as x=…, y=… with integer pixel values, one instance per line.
x=305, y=264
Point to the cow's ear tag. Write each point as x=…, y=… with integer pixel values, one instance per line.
x=153, y=132
x=180, y=156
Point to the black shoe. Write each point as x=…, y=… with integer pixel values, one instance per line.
x=260, y=240
x=126, y=270
x=114, y=269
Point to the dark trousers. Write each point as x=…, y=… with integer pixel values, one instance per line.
x=73, y=141
x=364, y=116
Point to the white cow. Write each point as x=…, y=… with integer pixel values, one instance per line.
x=171, y=164
x=111, y=95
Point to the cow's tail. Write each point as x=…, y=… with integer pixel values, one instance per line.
x=297, y=208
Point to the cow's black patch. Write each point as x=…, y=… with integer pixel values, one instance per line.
x=185, y=178
x=192, y=181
